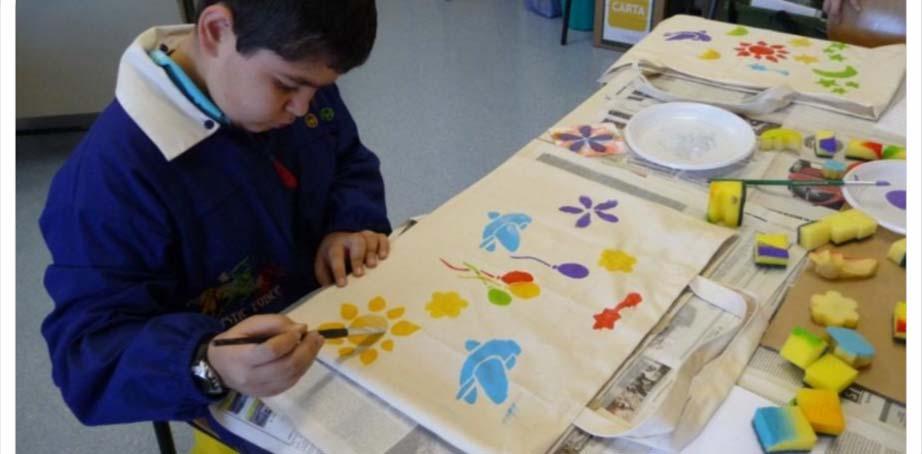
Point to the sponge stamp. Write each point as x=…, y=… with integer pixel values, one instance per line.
x=897, y=252
x=780, y=139
x=771, y=249
x=833, y=309
x=726, y=201
x=822, y=409
x=834, y=265
x=830, y=373
x=802, y=347
x=899, y=320
x=850, y=346
x=782, y=429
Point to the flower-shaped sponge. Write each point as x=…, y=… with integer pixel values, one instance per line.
x=833, y=309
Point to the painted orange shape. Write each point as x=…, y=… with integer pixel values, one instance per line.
x=608, y=316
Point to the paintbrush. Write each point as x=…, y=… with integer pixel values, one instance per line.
x=805, y=182
x=332, y=333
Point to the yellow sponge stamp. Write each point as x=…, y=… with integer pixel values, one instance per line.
x=833, y=265
x=726, y=200
x=837, y=227
x=781, y=139
x=802, y=347
x=813, y=235
x=833, y=309
x=897, y=252
x=831, y=373
x=822, y=409
x=899, y=320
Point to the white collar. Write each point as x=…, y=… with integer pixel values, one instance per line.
x=153, y=101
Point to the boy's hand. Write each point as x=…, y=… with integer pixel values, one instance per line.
x=361, y=249
x=266, y=369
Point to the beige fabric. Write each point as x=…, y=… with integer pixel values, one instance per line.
x=844, y=78
x=563, y=361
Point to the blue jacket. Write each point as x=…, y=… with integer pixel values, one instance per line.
x=150, y=256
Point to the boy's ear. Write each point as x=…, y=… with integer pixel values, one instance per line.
x=215, y=25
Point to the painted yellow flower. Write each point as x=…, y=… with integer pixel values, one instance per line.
x=447, y=304
x=389, y=320
x=808, y=59
x=617, y=260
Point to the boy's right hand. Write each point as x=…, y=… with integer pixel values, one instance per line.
x=266, y=369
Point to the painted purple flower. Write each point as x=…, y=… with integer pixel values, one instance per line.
x=585, y=136
x=587, y=209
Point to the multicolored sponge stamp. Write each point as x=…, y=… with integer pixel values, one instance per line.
x=825, y=144
x=771, y=249
x=802, y=347
x=783, y=429
x=850, y=346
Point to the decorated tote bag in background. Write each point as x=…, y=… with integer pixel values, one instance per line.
x=507, y=309
x=777, y=68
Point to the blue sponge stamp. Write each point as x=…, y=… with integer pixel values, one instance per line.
x=850, y=346
x=781, y=429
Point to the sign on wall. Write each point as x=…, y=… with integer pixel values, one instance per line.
x=622, y=23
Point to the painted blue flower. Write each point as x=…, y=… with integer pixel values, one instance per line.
x=504, y=229
x=486, y=368
x=587, y=209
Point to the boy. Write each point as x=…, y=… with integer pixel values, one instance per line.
x=225, y=181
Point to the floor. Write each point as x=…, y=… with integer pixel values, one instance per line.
x=452, y=89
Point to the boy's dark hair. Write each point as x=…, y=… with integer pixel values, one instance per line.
x=340, y=32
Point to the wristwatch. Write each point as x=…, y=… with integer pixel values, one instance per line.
x=204, y=375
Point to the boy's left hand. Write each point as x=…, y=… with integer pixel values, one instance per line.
x=362, y=249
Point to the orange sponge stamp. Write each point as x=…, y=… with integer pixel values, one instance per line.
x=833, y=309
x=822, y=409
x=830, y=373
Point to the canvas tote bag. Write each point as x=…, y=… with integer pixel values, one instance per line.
x=776, y=68
x=505, y=310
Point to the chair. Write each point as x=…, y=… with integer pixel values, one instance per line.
x=879, y=22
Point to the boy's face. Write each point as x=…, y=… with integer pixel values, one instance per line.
x=263, y=91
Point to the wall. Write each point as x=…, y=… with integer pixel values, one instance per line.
x=67, y=51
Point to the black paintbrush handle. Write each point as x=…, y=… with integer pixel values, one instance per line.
x=333, y=333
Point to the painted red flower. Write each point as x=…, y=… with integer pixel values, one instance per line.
x=761, y=49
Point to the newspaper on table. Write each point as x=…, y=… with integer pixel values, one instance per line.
x=349, y=419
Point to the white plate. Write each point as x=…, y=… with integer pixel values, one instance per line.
x=689, y=136
x=880, y=202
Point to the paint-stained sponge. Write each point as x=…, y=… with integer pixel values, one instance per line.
x=825, y=144
x=833, y=309
x=802, y=347
x=831, y=373
x=850, y=346
x=782, y=429
x=771, y=249
x=899, y=320
x=822, y=409
x=833, y=170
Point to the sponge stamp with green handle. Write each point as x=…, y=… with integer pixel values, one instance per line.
x=802, y=347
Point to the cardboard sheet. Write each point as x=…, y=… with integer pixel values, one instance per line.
x=876, y=297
